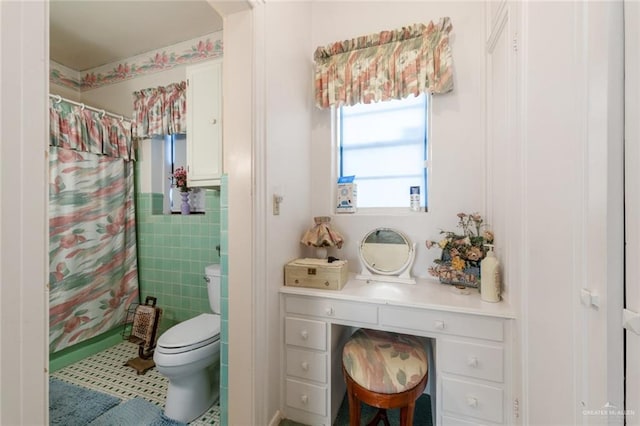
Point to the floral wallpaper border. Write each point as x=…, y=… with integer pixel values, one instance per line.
x=63, y=76
x=187, y=52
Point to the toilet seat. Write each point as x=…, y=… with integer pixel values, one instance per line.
x=192, y=334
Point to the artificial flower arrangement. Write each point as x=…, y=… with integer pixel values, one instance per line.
x=180, y=179
x=462, y=252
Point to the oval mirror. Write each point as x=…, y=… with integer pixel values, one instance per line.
x=388, y=253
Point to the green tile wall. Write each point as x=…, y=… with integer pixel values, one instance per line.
x=173, y=251
x=224, y=302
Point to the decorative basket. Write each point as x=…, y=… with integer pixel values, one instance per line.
x=469, y=276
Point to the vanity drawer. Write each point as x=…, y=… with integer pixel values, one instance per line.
x=304, y=396
x=471, y=359
x=306, y=333
x=472, y=400
x=334, y=309
x=307, y=365
x=443, y=322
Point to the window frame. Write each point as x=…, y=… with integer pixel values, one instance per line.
x=382, y=211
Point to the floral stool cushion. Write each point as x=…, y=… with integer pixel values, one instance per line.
x=384, y=362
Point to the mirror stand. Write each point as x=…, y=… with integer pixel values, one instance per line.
x=402, y=276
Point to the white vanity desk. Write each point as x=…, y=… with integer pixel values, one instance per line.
x=472, y=343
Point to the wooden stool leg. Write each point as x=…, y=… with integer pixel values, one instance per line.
x=406, y=414
x=354, y=406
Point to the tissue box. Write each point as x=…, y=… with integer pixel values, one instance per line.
x=347, y=198
x=316, y=273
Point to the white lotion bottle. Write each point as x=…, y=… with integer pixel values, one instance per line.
x=490, y=277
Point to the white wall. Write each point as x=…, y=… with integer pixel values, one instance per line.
x=238, y=135
x=632, y=198
x=65, y=92
x=457, y=141
x=288, y=140
x=24, y=298
x=572, y=194
x=603, y=207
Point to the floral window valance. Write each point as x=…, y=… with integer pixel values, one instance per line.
x=160, y=111
x=383, y=66
x=80, y=129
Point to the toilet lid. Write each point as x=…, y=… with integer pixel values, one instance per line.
x=197, y=331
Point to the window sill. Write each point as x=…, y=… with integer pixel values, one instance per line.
x=188, y=214
x=386, y=211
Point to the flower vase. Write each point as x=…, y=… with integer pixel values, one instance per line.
x=185, y=208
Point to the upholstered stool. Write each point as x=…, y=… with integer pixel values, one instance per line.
x=385, y=370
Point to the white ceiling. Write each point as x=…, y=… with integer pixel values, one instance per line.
x=85, y=34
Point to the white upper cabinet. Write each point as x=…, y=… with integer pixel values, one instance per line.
x=204, y=124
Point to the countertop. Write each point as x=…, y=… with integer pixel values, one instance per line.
x=425, y=294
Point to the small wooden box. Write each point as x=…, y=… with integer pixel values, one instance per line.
x=316, y=273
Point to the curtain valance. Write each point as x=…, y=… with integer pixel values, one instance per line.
x=387, y=65
x=80, y=129
x=160, y=111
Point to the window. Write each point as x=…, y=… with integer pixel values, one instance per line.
x=175, y=155
x=385, y=146
x=167, y=154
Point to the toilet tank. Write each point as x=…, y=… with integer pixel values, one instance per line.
x=212, y=277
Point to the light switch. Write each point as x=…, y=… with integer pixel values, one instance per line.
x=277, y=199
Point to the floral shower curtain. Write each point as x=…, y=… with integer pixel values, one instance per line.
x=93, y=274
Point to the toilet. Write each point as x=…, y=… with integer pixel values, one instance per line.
x=188, y=355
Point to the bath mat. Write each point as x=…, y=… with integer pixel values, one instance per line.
x=421, y=415
x=136, y=411
x=72, y=405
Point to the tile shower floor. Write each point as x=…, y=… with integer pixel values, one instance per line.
x=106, y=372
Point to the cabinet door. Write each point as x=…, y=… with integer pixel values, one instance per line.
x=204, y=124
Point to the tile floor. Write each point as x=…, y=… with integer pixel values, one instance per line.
x=106, y=372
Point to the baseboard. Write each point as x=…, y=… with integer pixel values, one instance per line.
x=84, y=349
x=275, y=420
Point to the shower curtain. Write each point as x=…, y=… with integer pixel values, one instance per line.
x=93, y=274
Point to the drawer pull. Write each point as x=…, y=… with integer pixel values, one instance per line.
x=304, y=399
x=329, y=311
x=304, y=334
x=304, y=365
x=472, y=402
x=472, y=361
x=439, y=325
